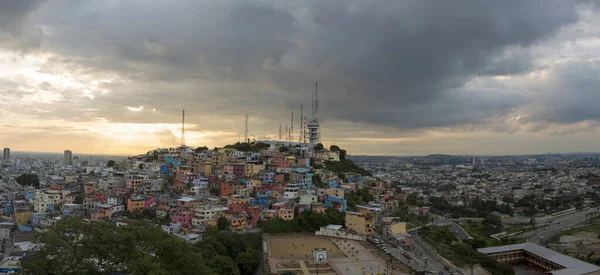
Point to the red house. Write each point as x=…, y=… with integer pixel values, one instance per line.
x=226, y=189
x=184, y=217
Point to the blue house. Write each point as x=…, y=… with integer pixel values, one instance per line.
x=336, y=202
x=265, y=200
x=306, y=183
x=30, y=195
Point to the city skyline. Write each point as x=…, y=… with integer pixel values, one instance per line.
x=401, y=78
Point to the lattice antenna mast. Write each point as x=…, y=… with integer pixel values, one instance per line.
x=280, y=132
x=183, y=127
x=316, y=102
x=246, y=129
x=301, y=124
x=292, y=129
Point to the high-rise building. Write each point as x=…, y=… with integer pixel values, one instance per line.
x=6, y=154
x=68, y=158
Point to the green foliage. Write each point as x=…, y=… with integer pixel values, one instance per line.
x=248, y=147
x=438, y=234
x=307, y=222
x=319, y=146
x=462, y=254
x=591, y=228
x=75, y=247
x=335, y=148
x=503, y=269
x=492, y=221
x=413, y=220
x=28, y=179
x=78, y=199
x=146, y=214
x=446, y=187
x=223, y=223
x=200, y=149
x=215, y=190
x=360, y=197
x=224, y=265
x=283, y=149
x=111, y=163
x=221, y=249
x=477, y=208
x=346, y=166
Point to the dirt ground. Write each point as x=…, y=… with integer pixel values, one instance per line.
x=585, y=237
x=301, y=248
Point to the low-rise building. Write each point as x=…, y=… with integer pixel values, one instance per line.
x=360, y=223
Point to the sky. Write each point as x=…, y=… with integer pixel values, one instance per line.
x=396, y=77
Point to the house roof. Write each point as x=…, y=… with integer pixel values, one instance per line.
x=334, y=227
x=572, y=266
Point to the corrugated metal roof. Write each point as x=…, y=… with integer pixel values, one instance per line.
x=572, y=266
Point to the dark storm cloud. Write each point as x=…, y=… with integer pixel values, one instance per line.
x=408, y=55
x=395, y=63
x=569, y=94
x=16, y=32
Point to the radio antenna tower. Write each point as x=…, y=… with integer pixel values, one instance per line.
x=301, y=124
x=183, y=128
x=292, y=129
x=279, y=132
x=246, y=130
x=286, y=133
x=316, y=102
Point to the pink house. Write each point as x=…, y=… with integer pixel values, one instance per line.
x=184, y=217
x=149, y=202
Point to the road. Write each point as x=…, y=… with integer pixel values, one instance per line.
x=551, y=227
x=461, y=234
x=420, y=258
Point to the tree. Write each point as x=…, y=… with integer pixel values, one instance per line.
x=223, y=223
x=224, y=265
x=334, y=148
x=141, y=166
x=215, y=190
x=111, y=163
x=342, y=154
x=75, y=247
x=28, y=179
x=78, y=199
x=319, y=147
x=248, y=261
x=503, y=269
x=283, y=149
x=200, y=149
x=492, y=221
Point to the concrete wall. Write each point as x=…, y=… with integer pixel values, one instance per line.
x=338, y=234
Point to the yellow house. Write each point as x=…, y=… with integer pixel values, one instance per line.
x=23, y=216
x=237, y=199
x=362, y=224
x=208, y=169
x=338, y=192
x=397, y=228
x=252, y=170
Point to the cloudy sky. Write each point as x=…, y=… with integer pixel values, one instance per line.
x=395, y=77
